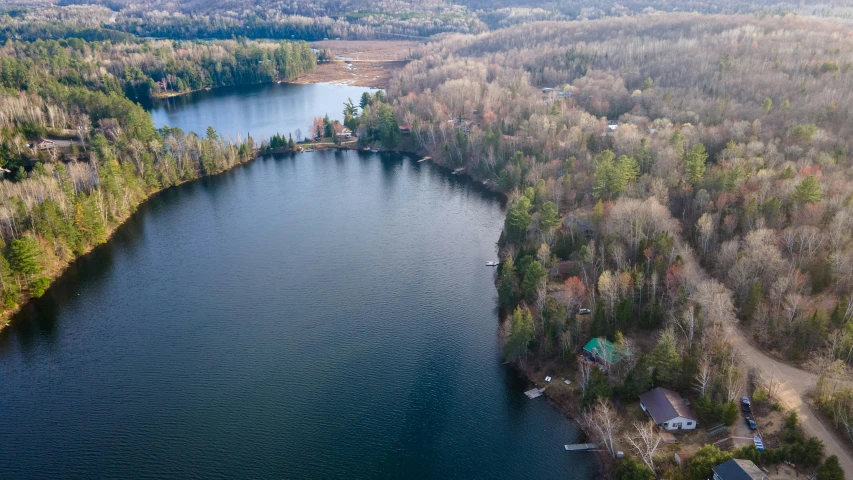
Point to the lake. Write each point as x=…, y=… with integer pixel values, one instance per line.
x=324, y=315
x=259, y=110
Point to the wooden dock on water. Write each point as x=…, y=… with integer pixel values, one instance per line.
x=534, y=393
x=581, y=447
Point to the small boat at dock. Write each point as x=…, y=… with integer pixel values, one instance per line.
x=459, y=171
x=491, y=264
x=424, y=159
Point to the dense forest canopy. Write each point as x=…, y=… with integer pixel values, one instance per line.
x=136, y=66
x=679, y=174
x=56, y=205
x=355, y=19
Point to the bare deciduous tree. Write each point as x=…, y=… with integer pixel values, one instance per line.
x=604, y=422
x=645, y=440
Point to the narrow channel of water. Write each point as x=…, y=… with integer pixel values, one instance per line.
x=325, y=315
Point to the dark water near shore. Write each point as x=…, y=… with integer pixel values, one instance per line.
x=259, y=110
x=326, y=315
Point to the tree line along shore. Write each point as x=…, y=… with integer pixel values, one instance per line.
x=671, y=179
x=678, y=177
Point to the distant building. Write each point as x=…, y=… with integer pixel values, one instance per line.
x=668, y=409
x=738, y=470
x=45, y=144
x=602, y=353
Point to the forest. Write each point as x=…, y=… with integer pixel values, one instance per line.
x=355, y=20
x=56, y=206
x=678, y=175
x=150, y=68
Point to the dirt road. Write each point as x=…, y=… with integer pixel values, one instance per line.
x=794, y=386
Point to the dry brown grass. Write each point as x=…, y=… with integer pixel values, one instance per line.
x=368, y=63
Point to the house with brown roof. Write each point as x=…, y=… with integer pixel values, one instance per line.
x=668, y=409
x=737, y=469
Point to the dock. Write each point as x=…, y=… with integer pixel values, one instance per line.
x=534, y=393
x=581, y=447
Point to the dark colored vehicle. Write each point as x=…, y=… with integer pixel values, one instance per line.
x=745, y=405
x=750, y=423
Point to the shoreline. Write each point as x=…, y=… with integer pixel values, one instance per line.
x=569, y=404
x=9, y=315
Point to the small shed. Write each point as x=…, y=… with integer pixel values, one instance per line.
x=668, y=410
x=602, y=353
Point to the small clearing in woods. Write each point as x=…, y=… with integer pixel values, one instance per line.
x=360, y=63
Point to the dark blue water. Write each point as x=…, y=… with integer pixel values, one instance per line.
x=327, y=315
x=259, y=110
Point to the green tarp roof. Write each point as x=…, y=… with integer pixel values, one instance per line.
x=606, y=350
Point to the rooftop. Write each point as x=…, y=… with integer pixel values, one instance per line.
x=664, y=405
x=739, y=470
x=604, y=349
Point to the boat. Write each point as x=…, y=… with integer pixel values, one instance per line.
x=374, y=150
x=459, y=171
x=207, y=88
x=424, y=159
x=491, y=264
x=308, y=150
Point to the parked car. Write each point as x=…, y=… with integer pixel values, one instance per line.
x=584, y=311
x=758, y=443
x=750, y=423
x=745, y=405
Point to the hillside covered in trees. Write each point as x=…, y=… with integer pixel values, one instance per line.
x=51, y=212
x=135, y=67
x=679, y=175
x=354, y=19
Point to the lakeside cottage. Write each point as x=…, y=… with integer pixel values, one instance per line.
x=738, y=470
x=602, y=353
x=668, y=409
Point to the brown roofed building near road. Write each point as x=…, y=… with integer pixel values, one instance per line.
x=668, y=409
x=738, y=470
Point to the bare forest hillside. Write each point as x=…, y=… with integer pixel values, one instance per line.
x=678, y=174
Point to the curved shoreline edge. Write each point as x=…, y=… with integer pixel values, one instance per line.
x=570, y=411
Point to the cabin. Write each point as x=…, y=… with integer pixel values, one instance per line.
x=736, y=469
x=601, y=353
x=668, y=410
x=45, y=144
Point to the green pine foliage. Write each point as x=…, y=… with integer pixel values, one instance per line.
x=57, y=211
